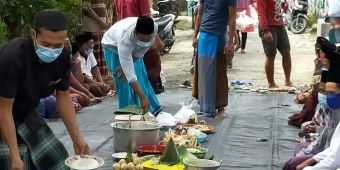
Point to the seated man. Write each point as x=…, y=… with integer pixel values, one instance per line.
x=92, y=77
x=82, y=94
x=329, y=158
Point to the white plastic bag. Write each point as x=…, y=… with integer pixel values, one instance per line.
x=184, y=114
x=165, y=119
x=244, y=21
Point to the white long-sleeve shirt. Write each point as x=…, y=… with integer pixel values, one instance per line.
x=122, y=36
x=329, y=159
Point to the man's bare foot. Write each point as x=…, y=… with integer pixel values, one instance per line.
x=220, y=114
x=272, y=86
x=288, y=83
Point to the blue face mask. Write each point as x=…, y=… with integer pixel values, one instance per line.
x=89, y=51
x=322, y=99
x=144, y=44
x=46, y=54
x=333, y=101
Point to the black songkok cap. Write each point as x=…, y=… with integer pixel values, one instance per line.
x=324, y=76
x=332, y=52
x=75, y=48
x=145, y=25
x=51, y=19
x=333, y=72
x=83, y=38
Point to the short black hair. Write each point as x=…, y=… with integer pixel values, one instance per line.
x=75, y=48
x=50, y=19
x=145, y=25
x=83, y=38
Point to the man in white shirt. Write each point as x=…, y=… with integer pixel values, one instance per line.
x=91, y=73
x=125, y=44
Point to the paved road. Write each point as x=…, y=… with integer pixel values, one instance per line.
x=250, y=115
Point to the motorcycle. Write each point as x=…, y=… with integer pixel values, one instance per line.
x=296, y=17
x=166, y=30
x=168, y=7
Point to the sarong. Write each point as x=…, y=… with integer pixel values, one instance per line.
x=39, y=148
x=126, y=94
x=98, y=53
x=210, y=75
x=334, y=32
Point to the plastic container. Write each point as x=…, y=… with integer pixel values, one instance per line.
x=143, y=150
x=201, y=137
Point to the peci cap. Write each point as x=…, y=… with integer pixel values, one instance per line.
x=145, y=25
x=51, y=19
x=330, y=49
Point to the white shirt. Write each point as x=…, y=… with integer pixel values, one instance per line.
x=121, y=35
x=329, y=159
x=88, y=64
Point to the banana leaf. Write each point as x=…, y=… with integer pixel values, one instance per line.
x=131, y=109
x=184, y=154
x=170, y=156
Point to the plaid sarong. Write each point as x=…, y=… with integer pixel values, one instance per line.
x=98, y=53
x=39, y=149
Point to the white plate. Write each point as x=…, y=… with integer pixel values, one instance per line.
x=119, y=155
x=88, y=162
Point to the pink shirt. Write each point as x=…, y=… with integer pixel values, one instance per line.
x=132, y=8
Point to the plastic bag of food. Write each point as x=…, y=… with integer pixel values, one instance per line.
x=184, y=114
x=165, y=119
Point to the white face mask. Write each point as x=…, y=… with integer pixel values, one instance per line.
x=47, y=54
x=143, y=44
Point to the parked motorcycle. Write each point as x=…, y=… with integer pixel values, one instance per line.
x=168, y=7
x=166, y=30
x=296, y=17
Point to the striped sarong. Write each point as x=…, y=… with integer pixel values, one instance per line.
x=210, y=77
x=334, y=32
x=39, y=148
x=126, y=94
x=98, y=53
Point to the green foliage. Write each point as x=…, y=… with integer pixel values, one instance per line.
x=312, y=19
x=18, y=15
x=3, y=32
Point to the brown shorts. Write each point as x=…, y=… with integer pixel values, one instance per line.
x=280, y=40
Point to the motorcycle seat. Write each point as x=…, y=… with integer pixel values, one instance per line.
x=165, y=1
x=163, y=21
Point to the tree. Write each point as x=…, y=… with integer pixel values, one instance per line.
x=18, y=15
x=3, y=32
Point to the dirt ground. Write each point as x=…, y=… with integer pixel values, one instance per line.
x=248, y=66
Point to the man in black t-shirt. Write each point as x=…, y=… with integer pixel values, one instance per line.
x=32, y=68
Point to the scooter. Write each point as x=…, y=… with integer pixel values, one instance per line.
x=296, y=17
x=166, y=30
x=168, y=7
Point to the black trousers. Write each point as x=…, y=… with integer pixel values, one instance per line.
x=244, y=39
